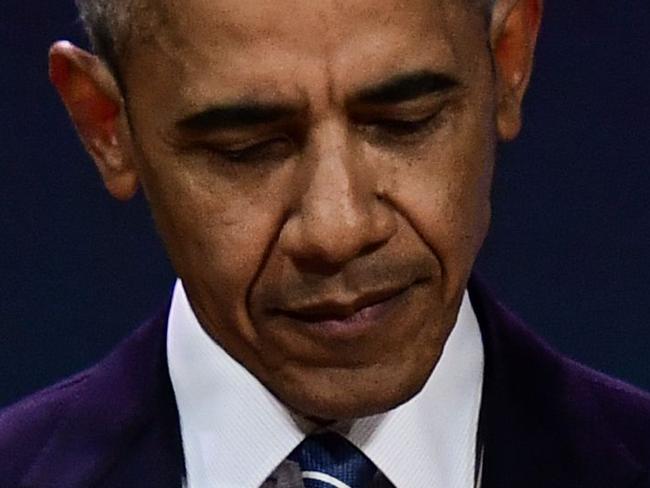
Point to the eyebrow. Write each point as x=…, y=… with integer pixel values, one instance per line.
x=399, y=88
x=406, y=87
x=234, y=116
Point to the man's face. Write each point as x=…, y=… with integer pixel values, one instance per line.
x=320, y=173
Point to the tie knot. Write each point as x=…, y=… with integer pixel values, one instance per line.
x=329, y=460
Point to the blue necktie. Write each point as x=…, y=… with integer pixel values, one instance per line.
x=328, y=460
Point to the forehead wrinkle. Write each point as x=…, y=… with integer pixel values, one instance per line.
x=227, y=51
x=215, y=29
x=337, y=59
x=209, y=23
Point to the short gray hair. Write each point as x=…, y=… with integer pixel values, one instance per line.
x=105, y=22
x=108, y=24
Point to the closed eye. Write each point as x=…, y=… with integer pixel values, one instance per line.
x=264, y=151
x=401, y=127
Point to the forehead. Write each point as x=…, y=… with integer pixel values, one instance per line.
x=242, y=46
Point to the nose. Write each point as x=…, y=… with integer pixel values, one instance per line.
x=340, y=213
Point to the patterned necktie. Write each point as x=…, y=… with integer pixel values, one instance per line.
x=328, y=460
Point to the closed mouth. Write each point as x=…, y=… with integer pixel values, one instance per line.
x=333, y=309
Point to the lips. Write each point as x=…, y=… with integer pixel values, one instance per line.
x=342, y=309
x=341, y=319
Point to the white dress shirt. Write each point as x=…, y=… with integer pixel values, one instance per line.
x=235, y=432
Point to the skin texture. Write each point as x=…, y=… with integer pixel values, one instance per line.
x=325, y=242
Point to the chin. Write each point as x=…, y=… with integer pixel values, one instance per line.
x=350, y=394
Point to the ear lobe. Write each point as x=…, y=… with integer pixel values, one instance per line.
x=93, y=100
x=513, y=35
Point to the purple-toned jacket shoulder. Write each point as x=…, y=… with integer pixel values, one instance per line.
x=114, y=424
x=548, y=421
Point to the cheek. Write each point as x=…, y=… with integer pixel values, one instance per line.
x=445, y=196
x=217, y=232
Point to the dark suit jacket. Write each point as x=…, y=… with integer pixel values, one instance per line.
x=545, y=420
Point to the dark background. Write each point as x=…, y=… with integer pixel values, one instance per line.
x=569, y=248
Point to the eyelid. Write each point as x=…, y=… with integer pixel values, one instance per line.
x=256, y=150
x=406, y=120
x=391, y=129
x=412, y=110
x=414, y=121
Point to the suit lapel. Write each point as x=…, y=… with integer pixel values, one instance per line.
x=539, y=425
x=122, y=428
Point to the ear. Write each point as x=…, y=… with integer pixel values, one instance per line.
x=513, y=36
x=95, y=104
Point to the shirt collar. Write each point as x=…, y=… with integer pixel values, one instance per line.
x=235, y=432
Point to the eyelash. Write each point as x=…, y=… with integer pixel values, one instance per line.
x=261, y=151
x=403, y=128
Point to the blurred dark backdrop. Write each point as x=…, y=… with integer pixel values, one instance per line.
x=569, y=249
